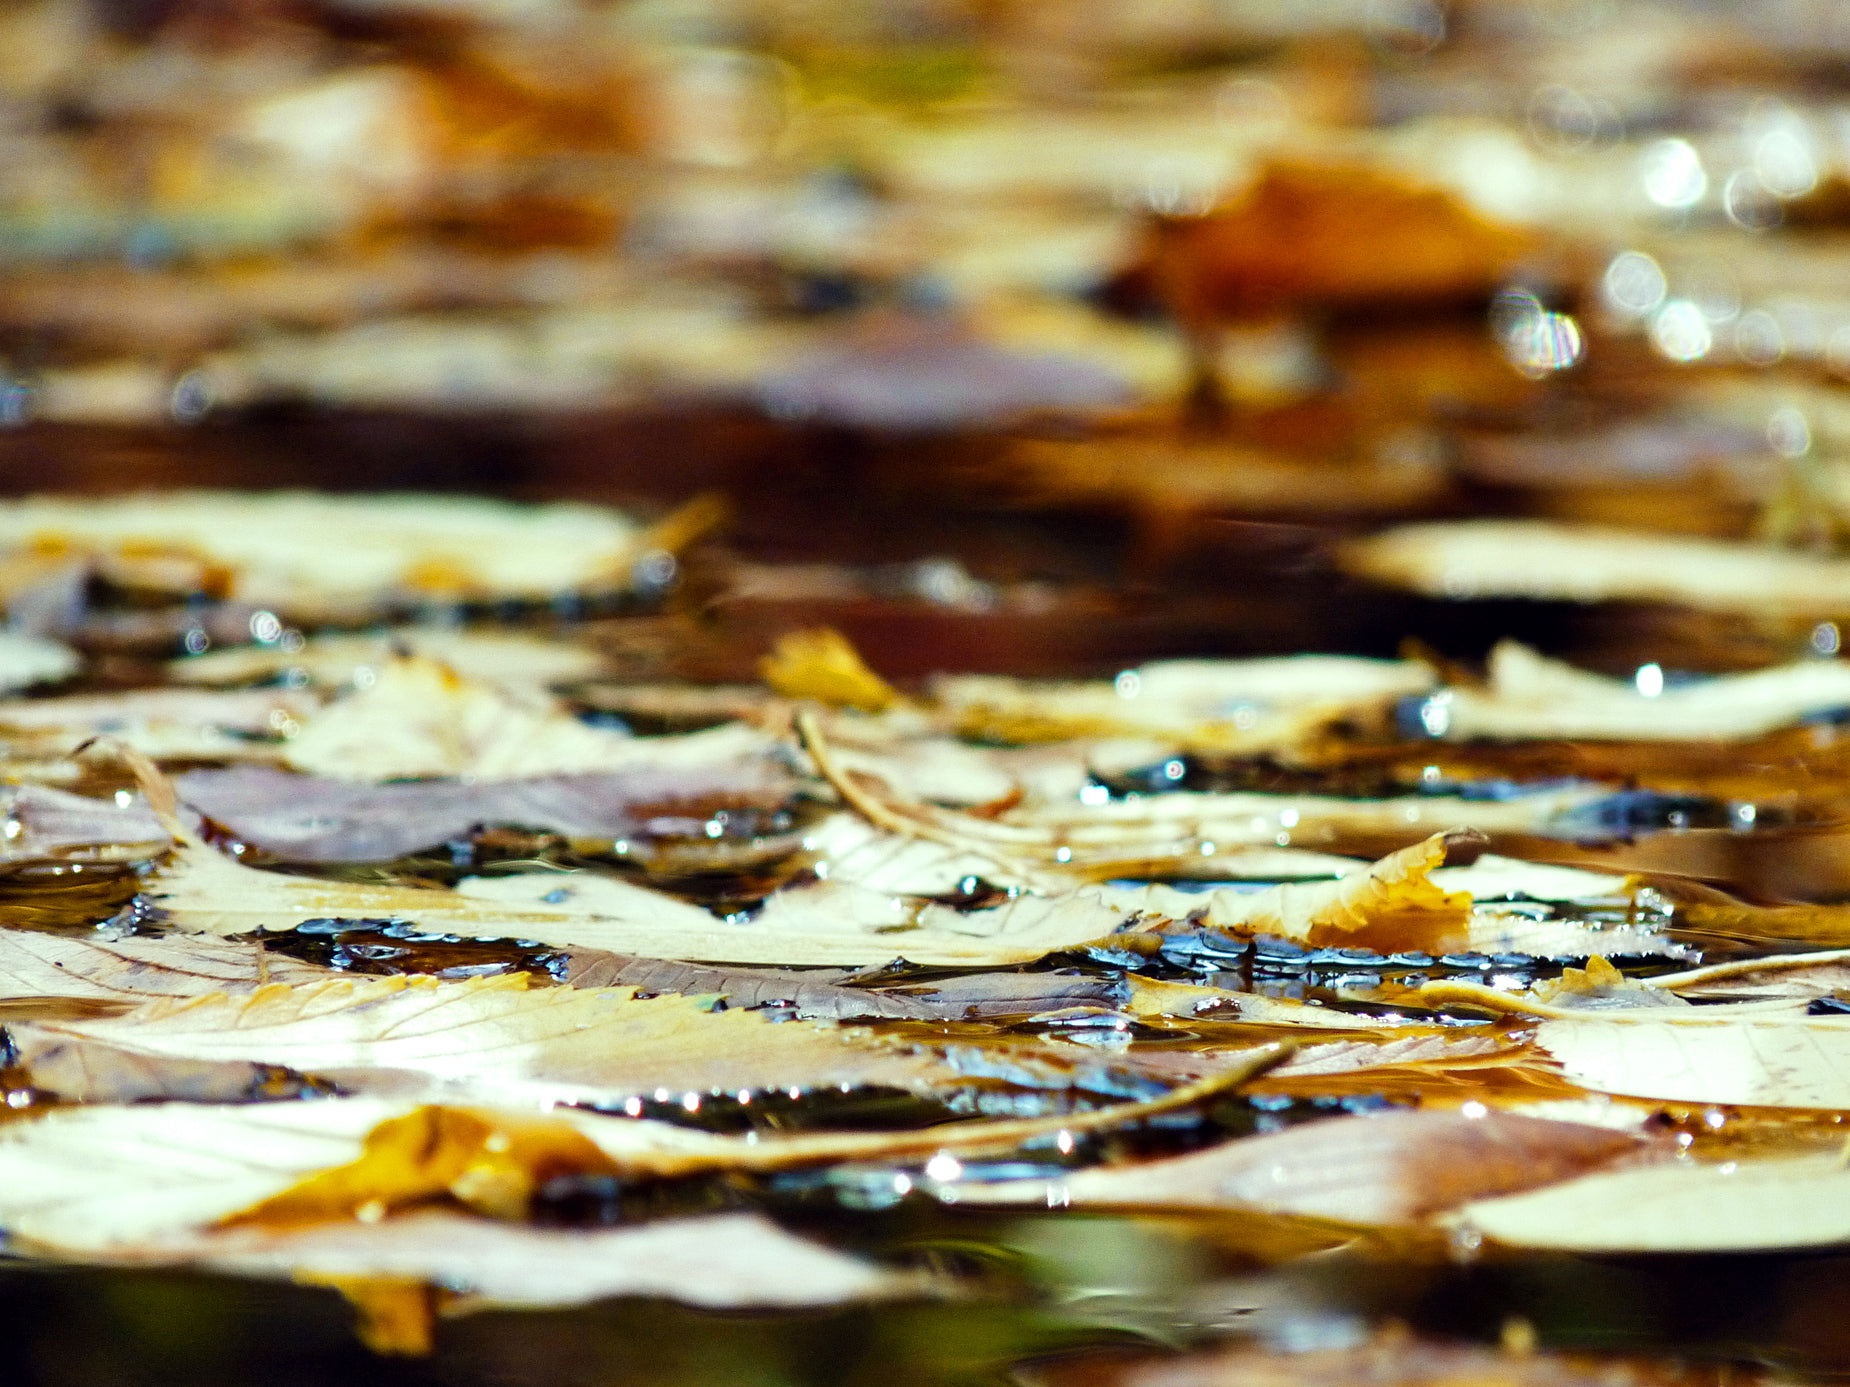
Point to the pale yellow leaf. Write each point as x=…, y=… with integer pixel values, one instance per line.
x=1681, y=1206
x=36, y=964
x=1531, y=698
x=419, y=718
x=1572, y=563
x=494, y=1038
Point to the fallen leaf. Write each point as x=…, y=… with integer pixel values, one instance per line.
x=819, y=993
x=334, y=557
x=1223, y=706
x=43, y=822
x=26, y=660
x=40, y=964
x=1681, y=1206
x=919, y=377
x=419, y=718
x=1310, y=234
x=1380, y=1169
x=1786, y=1061
x=1394, y=904
x=82, y=1071
x=314, y=819
x=1482, y=559
x=1533, y=698
x=523, y=664
x=495, y=1039
x=822, y=665
x=168, y=724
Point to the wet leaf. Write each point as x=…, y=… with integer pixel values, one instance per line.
x=524, y=664
x=1530, y=697
x=1225, y=706
x=337, y=557
x=822, y=665
x=1394, y=904
x=1386, y=1168
x=419, y=718
x=36, y=964
x=725, y=1261
x=314, y=819
x=1541, y=559
x=1683, y=1206
x=499, y=1041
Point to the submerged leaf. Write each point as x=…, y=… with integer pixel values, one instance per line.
x=721, y=1261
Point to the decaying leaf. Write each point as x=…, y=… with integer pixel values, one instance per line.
x=497, y=1040
x=1387, y=1168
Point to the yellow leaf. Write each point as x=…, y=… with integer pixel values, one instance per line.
x=822, y=665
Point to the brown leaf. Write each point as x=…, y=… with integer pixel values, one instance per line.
x=1306, y=234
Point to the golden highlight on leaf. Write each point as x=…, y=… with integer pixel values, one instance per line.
x=822, y=665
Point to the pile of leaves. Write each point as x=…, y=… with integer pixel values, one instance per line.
x=409, y=968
